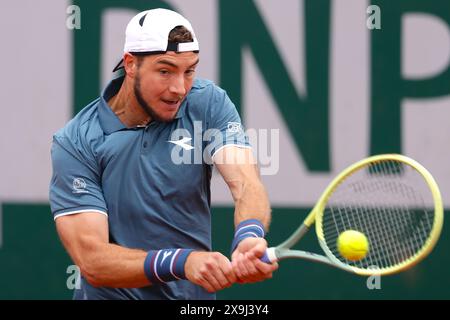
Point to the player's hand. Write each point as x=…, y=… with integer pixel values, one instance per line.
x=247, y=264
x=211, y=270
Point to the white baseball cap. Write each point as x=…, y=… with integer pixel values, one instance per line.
x=148, y=33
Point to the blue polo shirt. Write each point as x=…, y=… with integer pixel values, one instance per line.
x=152, y=182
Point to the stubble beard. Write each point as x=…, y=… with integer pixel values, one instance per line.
x=144, y=105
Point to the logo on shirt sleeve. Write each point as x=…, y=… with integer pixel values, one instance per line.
x=234, y=127
x=79, y=186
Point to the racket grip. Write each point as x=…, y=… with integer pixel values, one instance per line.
x=269, y=256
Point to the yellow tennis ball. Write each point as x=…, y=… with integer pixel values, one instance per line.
x=353, y=245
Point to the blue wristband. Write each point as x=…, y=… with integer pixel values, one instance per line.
x=166, y=265
x=246, y=229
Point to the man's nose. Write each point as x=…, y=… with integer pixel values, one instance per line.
x=177, y=86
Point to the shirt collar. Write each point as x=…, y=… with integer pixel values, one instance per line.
x=108, y=120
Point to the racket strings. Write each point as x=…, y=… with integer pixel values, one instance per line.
x=388, y=202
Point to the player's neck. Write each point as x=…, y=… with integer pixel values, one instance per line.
x=126, y=107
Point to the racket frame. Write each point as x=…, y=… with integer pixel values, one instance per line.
x=284, y=250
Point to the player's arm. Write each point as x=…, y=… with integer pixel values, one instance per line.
x=85, y=237
x=239, y=170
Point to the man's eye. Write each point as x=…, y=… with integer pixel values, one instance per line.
x=190, y=72
x=164, y=72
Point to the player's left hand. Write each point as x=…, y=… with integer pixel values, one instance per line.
x=246, y=262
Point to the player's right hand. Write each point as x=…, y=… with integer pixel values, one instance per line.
x=211, y=270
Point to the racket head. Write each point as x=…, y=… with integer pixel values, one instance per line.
x=394, y=201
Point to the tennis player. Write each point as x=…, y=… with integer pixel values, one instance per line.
x=131, y=207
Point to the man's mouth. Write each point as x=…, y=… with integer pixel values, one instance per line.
x=171, y=102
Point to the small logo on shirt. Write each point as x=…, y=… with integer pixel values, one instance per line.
x=234, y=127
x=79, y=186
x=183, y=142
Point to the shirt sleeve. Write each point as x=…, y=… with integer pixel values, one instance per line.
x=75, y=184
x=224, y=125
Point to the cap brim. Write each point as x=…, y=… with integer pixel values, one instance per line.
x=118, y=66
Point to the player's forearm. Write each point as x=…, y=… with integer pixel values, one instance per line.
x=109, y=265
x=252, y=202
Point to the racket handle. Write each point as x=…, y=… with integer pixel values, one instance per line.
x=269, y=256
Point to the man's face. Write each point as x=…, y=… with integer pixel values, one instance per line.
x=163, y=81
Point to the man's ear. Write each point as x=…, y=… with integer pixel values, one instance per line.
x=130, y=64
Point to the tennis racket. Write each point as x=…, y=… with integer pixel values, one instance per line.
x=392, y=199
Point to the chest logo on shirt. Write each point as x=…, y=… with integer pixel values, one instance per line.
x=79, y=186
x=184, y=142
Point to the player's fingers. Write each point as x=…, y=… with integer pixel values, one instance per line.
x=223, y=280
x=241, y=270
x=234, y=255
x=258, y=270
x=202, y=281
x=246, y=271
x=260, y=265
x=212, y=281
x=249, y=263
x=237, y=270
x=220, y=272
x=235, y=265
x=208, y=272
x=265, y=268
x=219, y=279
x=259, y=249
x=262, y=270
x=228, y=272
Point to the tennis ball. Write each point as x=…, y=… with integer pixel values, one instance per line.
x=352, y=245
